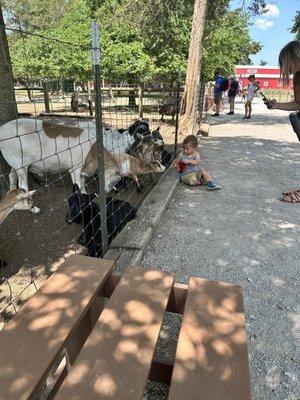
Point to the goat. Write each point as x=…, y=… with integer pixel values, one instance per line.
x=83, y=210
x=156, y=138
x=139, y=127
x=15, y=199
x=46, y=147
x=121, y=165
x=166, y=156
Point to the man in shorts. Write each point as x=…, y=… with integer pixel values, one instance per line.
x=232, y=91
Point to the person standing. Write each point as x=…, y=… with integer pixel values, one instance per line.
x=218, y=93
x=253, y=87
x=289, y=63
x=232, y=92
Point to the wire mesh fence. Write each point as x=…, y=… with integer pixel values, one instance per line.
x=49, y=175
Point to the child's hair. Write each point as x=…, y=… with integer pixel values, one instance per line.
x=290, y=52
x=190, y=139
x=251, y=77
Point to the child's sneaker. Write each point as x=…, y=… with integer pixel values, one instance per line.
x=213, y=186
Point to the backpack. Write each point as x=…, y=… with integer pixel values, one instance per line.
x=233, y=88
x=224, y=85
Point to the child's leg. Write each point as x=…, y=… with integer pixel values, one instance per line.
x=211, y=185
x=190, y=179
x=205, y=175
x=250, y=109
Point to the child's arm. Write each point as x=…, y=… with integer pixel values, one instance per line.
x=194, y=162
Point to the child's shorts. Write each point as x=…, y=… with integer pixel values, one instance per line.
x=193, y=178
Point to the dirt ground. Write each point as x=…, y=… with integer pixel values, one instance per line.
x=242, y=234
x=35, y=245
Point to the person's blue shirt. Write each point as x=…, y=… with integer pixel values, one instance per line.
x=218, y=81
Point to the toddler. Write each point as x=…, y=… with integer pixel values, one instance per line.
x=188, y=165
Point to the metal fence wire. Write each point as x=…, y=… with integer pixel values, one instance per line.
x=55, y=174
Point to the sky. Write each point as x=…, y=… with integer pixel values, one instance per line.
x=271, y=29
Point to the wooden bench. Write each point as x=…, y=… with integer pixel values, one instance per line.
x=117, y=358
x=57, y=318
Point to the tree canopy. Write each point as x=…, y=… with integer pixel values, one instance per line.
x=296, y=26
x=227, y=42
x=140, y=41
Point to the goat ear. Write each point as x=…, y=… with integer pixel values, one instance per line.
x=76, y=188
x=31, y=192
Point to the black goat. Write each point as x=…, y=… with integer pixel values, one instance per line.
x=83, y=210
x=141, y=127
x=166, y=156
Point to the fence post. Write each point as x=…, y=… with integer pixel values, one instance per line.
x=99, y=134
x=177, y=112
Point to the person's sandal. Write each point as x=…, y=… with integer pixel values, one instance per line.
x=291, y=197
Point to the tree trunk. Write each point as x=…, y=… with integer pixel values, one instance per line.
x=28, y=90
x=46, y=97
x=131, y=99
x=189, y=103
x=111, y=93
x=62, y=86
x=141, y=92
x=8, y=106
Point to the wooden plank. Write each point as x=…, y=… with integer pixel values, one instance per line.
x=211, y=359
x=31, y=342
x=115, y=360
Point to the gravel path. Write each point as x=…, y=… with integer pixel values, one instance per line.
x=244, y=234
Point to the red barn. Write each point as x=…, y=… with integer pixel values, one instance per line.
x=269, y=77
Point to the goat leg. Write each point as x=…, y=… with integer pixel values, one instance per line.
x=138, y=186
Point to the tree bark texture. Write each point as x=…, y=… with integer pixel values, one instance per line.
x=8, y=106
x=189, y=104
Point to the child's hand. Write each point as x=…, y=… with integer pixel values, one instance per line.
x=181, y=166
